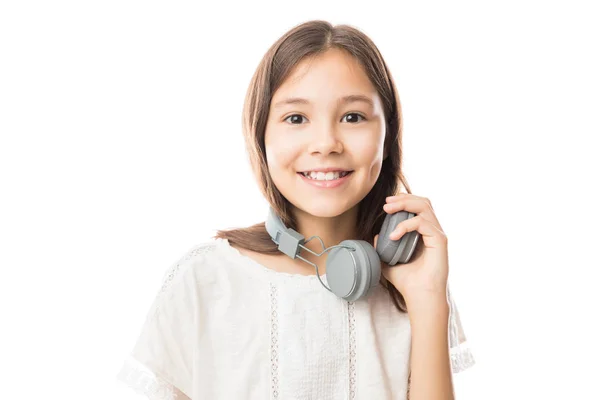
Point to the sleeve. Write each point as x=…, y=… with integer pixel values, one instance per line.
x=160, y=363
x=461, y=356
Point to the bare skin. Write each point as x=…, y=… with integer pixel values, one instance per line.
x=282, y=263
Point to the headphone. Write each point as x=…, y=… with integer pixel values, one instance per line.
x=353, y=267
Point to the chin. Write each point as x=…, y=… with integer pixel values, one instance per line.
x=323, y=209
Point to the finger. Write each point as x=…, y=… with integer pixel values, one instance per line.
x=414, y=205
x=401, y=196
x=431, y=234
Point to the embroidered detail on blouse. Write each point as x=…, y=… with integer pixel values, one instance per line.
x=201, y=249
x=352, y=350
x=274, y=345
x=138, y=377
x=175, y=269
x=461, y=358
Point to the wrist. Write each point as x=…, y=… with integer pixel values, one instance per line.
x=427, y=305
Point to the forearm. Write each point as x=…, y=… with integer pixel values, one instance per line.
x=431, y=376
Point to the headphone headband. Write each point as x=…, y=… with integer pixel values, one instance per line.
x=287, y=239
x=353, y=266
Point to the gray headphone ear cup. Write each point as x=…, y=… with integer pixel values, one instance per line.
x=373, y=265
x=351, y=274
x=343, y=270
x=399, y=251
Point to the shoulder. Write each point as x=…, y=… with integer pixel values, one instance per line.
x=192, y=264
x=195, y=259
x=198, y=255
x=185, y=274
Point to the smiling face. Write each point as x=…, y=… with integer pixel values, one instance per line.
x=334, y=120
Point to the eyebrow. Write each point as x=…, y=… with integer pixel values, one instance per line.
x=344, y=100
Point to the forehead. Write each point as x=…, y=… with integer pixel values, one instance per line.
x=325, y=78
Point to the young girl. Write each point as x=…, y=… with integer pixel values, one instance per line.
x=237, y=318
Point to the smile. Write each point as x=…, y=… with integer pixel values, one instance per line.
x=326, y=181
x=325, y=176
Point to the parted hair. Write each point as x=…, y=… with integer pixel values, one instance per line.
x=310, y=39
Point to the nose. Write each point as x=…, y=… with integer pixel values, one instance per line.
x=325, y=141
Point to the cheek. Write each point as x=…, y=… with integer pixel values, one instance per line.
x=280, y=155
x=367, y=152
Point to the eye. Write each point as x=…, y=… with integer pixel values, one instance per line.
x=357, y=114
x=298, y=118
x=295, y=119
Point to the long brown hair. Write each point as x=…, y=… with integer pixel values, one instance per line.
x=310, y=39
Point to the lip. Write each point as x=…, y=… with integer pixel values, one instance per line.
x=325, y=184
x=325, y=170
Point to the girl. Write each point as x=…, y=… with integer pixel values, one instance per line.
x=236, y=318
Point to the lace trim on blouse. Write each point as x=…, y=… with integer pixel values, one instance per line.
x=143, y=381
x=175, y=270
x=461, y=357
x=352, y=350
x=274, y=345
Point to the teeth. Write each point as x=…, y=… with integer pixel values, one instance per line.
x=322, y=176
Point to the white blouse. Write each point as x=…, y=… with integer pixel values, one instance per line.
x=223, y=326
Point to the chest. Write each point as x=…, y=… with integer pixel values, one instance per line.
x=292, y=339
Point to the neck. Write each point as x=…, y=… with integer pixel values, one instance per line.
x=332, y=230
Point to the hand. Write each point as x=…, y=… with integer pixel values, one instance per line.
x=426, y=274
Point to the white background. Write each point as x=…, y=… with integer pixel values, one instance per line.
x=121, y=147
